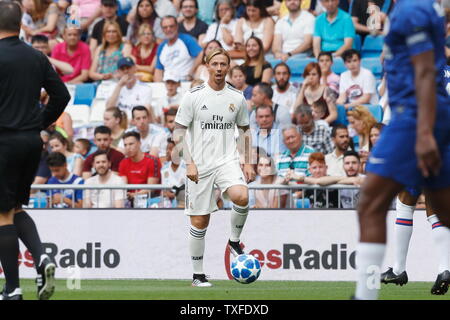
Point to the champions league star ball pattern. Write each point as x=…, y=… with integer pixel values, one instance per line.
x=245, y=268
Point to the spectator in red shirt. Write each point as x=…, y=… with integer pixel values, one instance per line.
x=76, y=53
x=139, y=167
x=103, y=140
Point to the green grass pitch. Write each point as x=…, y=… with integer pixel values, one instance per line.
x=225, y=290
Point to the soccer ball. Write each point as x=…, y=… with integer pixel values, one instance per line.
x=245, y=268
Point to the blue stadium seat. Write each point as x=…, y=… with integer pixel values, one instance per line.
x=357, y=42
x=297, y=79
x=297, y=66
x=341, y=115
x=374, y=65
x=85, y=93
x=338, y=66
x=273, y=62
x=372, y=46
x=377, y=112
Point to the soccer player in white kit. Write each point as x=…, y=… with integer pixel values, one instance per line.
x=210, y=112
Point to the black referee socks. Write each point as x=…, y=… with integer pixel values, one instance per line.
x=9, y=253
x=28, y=234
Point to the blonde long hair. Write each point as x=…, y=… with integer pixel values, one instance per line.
x=105, y=28
x=363, y=114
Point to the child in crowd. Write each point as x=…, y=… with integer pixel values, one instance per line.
x=84, y=147
x=319, y=109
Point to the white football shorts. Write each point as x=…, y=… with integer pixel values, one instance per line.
x=201, y=198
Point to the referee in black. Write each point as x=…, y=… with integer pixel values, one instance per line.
x=23, y=73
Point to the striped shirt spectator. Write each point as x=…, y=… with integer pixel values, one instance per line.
x=294, y=162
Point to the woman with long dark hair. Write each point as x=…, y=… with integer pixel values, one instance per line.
x=256, y=68
x=256, y=22
x=145, y=13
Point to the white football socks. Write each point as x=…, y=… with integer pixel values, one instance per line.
x=197, y=248
x=441, y=237
x=238, y=217
x=403, y=232
x=369, y=257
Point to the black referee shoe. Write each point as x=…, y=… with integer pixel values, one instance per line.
x=45, y=280
x=15, y=295
x=440, y=287
x=235, y=248
x=390, y=277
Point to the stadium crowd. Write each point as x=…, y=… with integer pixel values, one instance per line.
x=310, y=71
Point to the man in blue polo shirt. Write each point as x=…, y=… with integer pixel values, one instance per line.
x=178, y=54
x=334, y=30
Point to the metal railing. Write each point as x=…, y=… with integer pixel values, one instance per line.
x=311, y=196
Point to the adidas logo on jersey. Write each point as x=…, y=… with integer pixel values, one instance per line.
x=204, y=108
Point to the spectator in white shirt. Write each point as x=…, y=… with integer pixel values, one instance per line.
x=293, y=32
x=179, y=53
x=104, y=198
x=284, y=92
x=172, y=98
x=335, y=159
x=153, y=137
x=224, y=29
x=357, y=85
x=129, y=91
x=173, y=174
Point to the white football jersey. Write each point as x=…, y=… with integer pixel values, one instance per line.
x=211, y=117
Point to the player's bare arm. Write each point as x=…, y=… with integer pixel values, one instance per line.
x=245, y=140
x=428, y=157
x=182, y=147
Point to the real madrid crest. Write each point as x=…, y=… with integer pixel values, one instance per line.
x=232, y=107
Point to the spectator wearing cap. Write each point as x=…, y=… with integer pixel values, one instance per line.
x=129, y=91
x=108, y=13
x=334, y=30
x=179, y=53
x=76, y=53
x=190, y=24
x=172, y=98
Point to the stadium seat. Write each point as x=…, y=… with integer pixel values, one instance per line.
x=185, y=86
x=71, y=89
x=338, y=66
x=374, y=65
x=372, y=46
x=84, y=93
x=297, y=79
x=97, y=110
x=297, y=66
x=79, y=113
x=105, y=90
x=377, y=112
x=158, y=90
x=273, y=62
x=357, y=42
x=341, y=115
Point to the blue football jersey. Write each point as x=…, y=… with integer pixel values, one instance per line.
x=416, y=26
